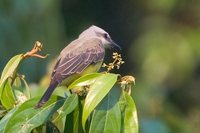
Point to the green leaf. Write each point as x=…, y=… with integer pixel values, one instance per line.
x=17, y=82
x=73, y=120
x=129, y=114
x=5, y=119
x=10, y=69
x=27, y=117
x=70, y=104
x=106, y=118
x=76, y=118
x=7, y=96
x=97, y=92
x=27, y=88
x=69, y=123
x=84, y=80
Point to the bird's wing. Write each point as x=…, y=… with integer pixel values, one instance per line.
x=75, y=58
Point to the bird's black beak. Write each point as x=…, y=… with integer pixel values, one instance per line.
x=114, y=45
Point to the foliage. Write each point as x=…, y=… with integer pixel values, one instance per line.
x=160, y=43
x=105, y=105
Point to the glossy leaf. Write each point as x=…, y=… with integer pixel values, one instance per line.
x=84, y=80
x=27, y=117
x=28, y=94
x=129, y=114
x=73, y=122
x=106, y=118
x=9, y=71
x=5, y=119
x=17, y=82
x=69, y=105
x=98, y=90
x=69, y=122
x=7, y=96
x=76, y=120
x=10, y=68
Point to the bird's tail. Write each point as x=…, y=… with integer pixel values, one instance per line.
x=46, y=95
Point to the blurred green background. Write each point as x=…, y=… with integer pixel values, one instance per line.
x=160, y=41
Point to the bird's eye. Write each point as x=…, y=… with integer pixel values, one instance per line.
x=105, y=35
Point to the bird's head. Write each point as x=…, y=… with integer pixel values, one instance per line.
x=94, y=31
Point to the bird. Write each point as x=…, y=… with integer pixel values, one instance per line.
x=82, y=56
